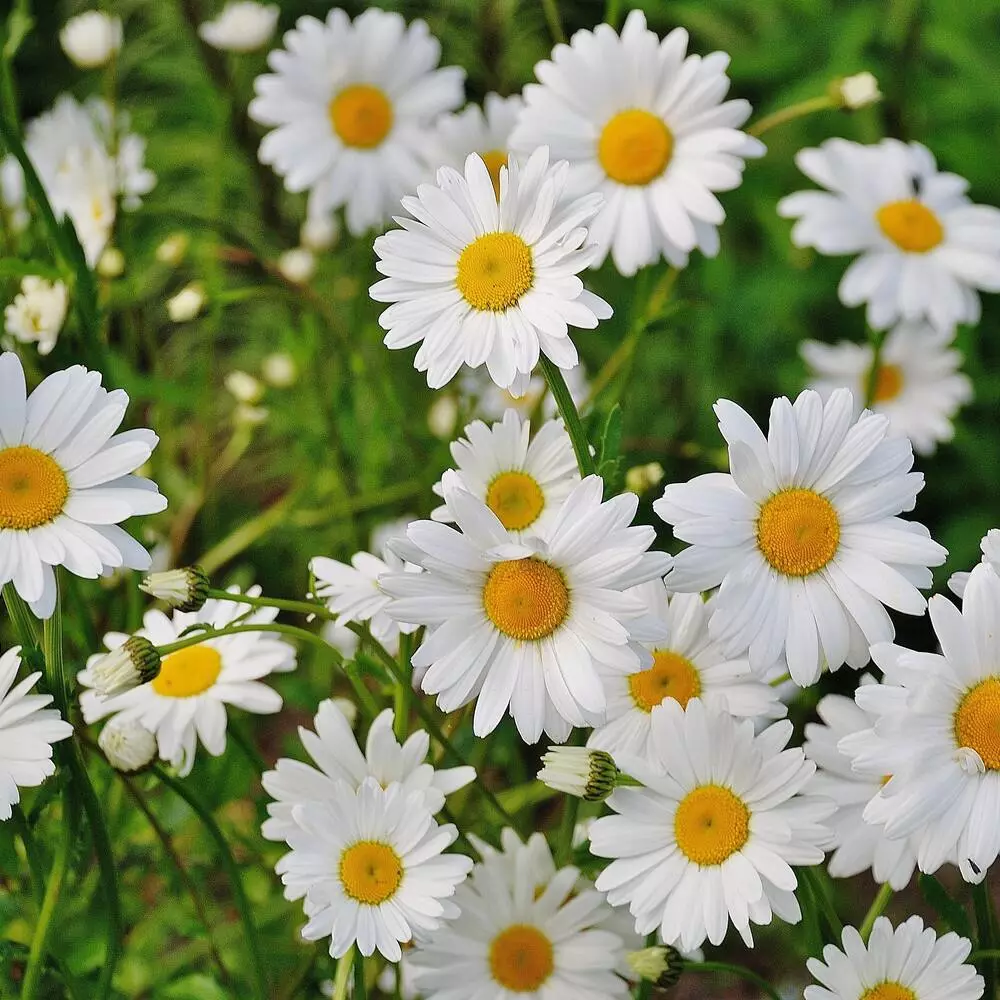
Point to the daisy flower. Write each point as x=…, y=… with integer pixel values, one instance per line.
x=522, y=625
x=473, y=280
x=484, y=130
x=924, y=247
x=351, y=104
x=27, y=731
x=687, y=663
x=990, y=547
x=937, y=732
x=523, y=480
x=858, y=846
x=186, y=702
x=66, y=481
x=242, y=26
x=37, y=313
x=918, y=385
x=908, y=963
x=339, y=758
x=712, y=836
x=527, y=929
x=804, y=536
x=646, y=125
x=369, y=864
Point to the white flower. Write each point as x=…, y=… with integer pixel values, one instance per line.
x=686, y=664
x=243, y=387
x=37, y=313
x=858, y=91
x=186, y=304
x=524, y=624
x=27, y=731
x=91, y=39
x=990, y=547
x=918, y=385
x=908, y=963
x=483, y=396
x=134, y=662
x=243, y=26
x=339, y=758
x=712, y=837
x=352, y=105
x=587, y=774
x=319, y=232
x=925, y=248
x=523, y=480
x=279, y=369
x=12, y=200
x=804, y=536
x=527, y=930
x=937, y=732
x=185, y=589
x=66, y=481
x=186, y=702
x=858, y=845
x=644, y=124
x=128, y=745
x=297, y=265
x=369, y=863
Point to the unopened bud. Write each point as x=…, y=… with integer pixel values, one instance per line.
x=661, y=965
x=173, y=249
x=642, y=478
x=858, y=91
x=133, y=663
x=279, y=370
x=184, y=589
x=588, y=774
x=297, y=266
x=186, y=304
x=244, y=387
x=111, y=263
x=128, y=745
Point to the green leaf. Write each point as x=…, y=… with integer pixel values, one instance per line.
x=609, y=459
x=950, y=911
x=14, y=267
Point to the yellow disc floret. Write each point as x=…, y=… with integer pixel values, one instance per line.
x=361, y=115
x=888, y=383
x=711, y=823
x=977, y=721
x=888, y=991
x=370, y=872
x=798, y=531
x=670, y=676
x=516, y=499
x=188, y=672
x=526, y=598
x=33, y=488
x=494, y=271
x=635, y=147
x=521, y=958
x=911, y=225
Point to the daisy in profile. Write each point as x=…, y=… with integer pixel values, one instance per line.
x=523, y=480
x=936, y=731
x=687, y=663
x=67, y=480
x=524, y=625
x=713, y=833
x=804, y=535
x=925, y=248
x=526, y=930
x=858, y=846
x=646, y=125
x=186, y=702
x=909, y=962
x=990, y=547
x=370, y=866
x=351, y=104
x=339, y=758
x=474, y=280
x=28, y=728
x=918, y=385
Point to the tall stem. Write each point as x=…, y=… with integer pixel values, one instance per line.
x=360, y=989
x=986, y=939
x=342, y=977
x=879, y=903
x=789, y=114
x=571, y=417
x=876, y=338
x=735, y=970
x=554, y=20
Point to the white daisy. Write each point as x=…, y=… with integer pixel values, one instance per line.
x=27, y=731
x=523, y=480
x=803, y=536
x=858, y=845
x=473, y=280
x=242, y=26
x=526, y=930
x=908, y=963
x=918, y=385
x=369, y=864
x=924, y=247
x=66, y=481
x=482, y=396
x=336, y=752
x=990, y=547
x=646, y=125
x=687, y=663
x=37, y=313
x=712, y=836
x=523, y=625
x=351, y=103
x=937, y=732
x=186, y=702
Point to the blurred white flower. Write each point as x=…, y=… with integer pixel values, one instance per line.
x=37, y=313
x=111, y=263
x=857, y=91
x=442, y=415
x=186, y=304
x=173, y=249
x=243, y=387
x=641, y=478
x=320, y=231
x=242, y=26
x=91, y=39
x=297, y=266
x=279, y=370
x=250, y=416
x=12, y=200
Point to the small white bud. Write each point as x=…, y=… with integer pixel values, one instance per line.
x=133, y=663
x=319, y=232
x=297, y=266
x=642, y=478
x=111, y=263
x=173, y=249
x=243, y=26
x=279, y=370
x=243, y=387
x=186, y=304
x=250, y=416
x=587, y=774
x=442, y=416
x=184, y=589
x=128, y=745
x=91, y=39
x=856, y=91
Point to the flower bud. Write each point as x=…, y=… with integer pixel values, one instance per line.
x=642, y=478
x=131, y=664
x=91, y=39
x=244, y=387
x=297, y=266
x=111, y=263
x=661, y=965
x=588, y=774
x=442, y=416
x=184, y=589
x=128, y=745
x=186, y=304
x=319, y=232
x=858, y=91
x=173, y=249
x=279, y=370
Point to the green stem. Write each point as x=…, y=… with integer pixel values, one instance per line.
x=342, y=977
x=20, y=822
x=879, y=903
x=977, y=956
x=735, y=970
x=793, y=111
x=55, y=668
x=554, y=21
x=360, y=989
x=298, y=607
x=612, y=12
x=404, y=690
x=876, y=338
x=24, y=621
x=818, y=889
x=571, y=418
x=983, y=906
x=229, y=863
x=215, y=633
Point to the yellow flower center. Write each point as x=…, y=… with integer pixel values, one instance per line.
x=494, y=271
x=888, y=383
x=710, y=824
x=911, y=225
x=370, y=872
x=888, y=991
x=521, y=958
x=361, y=116
x=526, y=598
x=977, y=721
x=798, y=531
x=494, y=160
x=188, y=672
x=670, y=676
x=516, y=499
x=635, y=147
x=33, y=488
